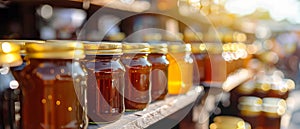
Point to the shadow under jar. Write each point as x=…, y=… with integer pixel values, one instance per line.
x=9, y=87
x=105, y=81
x=137, y=90
x=54, y=87
x=159, y=73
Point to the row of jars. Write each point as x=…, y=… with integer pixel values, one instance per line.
x=62, y=83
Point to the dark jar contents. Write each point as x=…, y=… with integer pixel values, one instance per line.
x=199, y=53
x=137, y=90
x=54, y=87
x=105, y=81
x=159, y=73
x=250, y=108
x=273, y=109
x=9, y=87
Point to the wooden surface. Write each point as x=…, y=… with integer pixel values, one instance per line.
x=155, y=112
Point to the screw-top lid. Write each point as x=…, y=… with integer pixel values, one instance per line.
x=274, y=106
x=102, y=48
x=55, y=50
x=10, y=54
x=136, y=48
x=228, y=122
x=179, y=47
x=22, y=43
x=198, y=47
x=159, y=48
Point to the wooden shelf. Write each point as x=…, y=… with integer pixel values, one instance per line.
x=156, y=112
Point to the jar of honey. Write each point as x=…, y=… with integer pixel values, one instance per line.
x=180, y=72
x=17, y=69
x=229, y=122
x=250, y=108
x=9, y=87
x=54, y=86
x=137, y=90
x=199, y=53
x=215, y=65
x=281, y=88
x=273, y=109
x=159, y=73
x=105, y=82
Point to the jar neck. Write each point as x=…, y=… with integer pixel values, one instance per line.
x=103, y=57
x=135, y=55
x=33, y=60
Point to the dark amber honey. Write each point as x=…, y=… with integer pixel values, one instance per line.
x=137, y=77
x=159, y=73
x=105, y=81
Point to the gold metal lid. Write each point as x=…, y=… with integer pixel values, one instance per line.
x=274, y=105
x=250, y=103
x=136, y=48
x=214, y=48
x=103, y=48
x=10, y=54
x=228, y=122
x=178, y=47
x=152, y=37
x=159, y=48
x=116, y=37
x=22, y=43
x=55, y=50
x=198, y=47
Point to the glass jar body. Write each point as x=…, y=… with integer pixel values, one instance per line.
x=54, y=94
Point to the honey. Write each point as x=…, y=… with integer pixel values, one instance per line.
x=199, y=53
x=54, y=87
x=273, y=109
x=159, y=73
x=9, y=87
x=250, y=110
x=137, y=90
x=180, y=71
x=105, y=81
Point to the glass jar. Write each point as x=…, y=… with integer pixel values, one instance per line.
x=9, y=87
x=17, y=69
x=159, y=73
x=54, y=86
x=229, y=122
x=105, y=82
x=137, y=90
x=273, y=109
x=180, y=72
x=250, y=110
x=199, y=53
x=215, y=65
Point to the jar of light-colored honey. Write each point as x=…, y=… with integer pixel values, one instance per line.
x=180, y=72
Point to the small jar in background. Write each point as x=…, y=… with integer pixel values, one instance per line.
x=273, y=109
x=199, y=53
x=281, y=89
x=105, y=82
x=250, y=108
x=180, y=72
x=137, y=90
x=215, y=65
x=9, y=87
x=54, y=86
x=159, y=73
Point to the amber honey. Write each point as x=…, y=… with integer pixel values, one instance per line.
x=273, y=109
x=54, y=87
x=180, y=71
x=9, y=87
x=199, y=53
x=137, y=90
x=105, y=81
x=159, y=73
